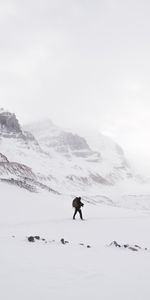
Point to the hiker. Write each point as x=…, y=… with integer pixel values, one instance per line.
x=77, y=204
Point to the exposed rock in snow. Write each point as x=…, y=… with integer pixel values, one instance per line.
x=63, y=142
x=19, y=170
x=134, y=248
x=3, y=158
x=10, y=128
x=9, y=123
x=20, y=175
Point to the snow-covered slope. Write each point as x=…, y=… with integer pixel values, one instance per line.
x=59, y=159
x=86, y=160
x=19, y=153
x=20, y=175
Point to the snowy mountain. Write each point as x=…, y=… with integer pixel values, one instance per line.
x=17, y=149
x=51, y=137
x=87, y=160
x=58, y=159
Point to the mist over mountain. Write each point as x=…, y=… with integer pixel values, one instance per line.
x=60, y=160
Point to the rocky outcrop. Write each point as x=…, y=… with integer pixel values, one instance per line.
x=27, y=136
x=16, y=169
x=72, y=141
x=9, y=123
x=10, y=128
x=21, y=175
x=29, y=185
x=3, y=158
x=134, y=248
x=63, y=142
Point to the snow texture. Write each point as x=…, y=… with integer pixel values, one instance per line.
x=71, y=260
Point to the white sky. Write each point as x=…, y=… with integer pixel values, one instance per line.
x=82, y=64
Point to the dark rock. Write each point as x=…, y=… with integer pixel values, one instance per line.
x=137, y=246
x=63, y=241
x=37, y=237
x=31, y=239
x=88, y=246
x=133, y=249
x=114, y=243
x=127, y=246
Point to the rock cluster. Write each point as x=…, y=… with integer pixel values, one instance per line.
x=127, y=246
x=33, y=239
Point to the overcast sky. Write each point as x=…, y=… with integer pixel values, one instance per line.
x=83, y=63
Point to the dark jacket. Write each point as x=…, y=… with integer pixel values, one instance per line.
x=77, y=203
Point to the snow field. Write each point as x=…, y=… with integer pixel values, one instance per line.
x=54, y=271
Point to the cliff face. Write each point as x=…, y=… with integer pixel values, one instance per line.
x=9, y=123
x=10, y=128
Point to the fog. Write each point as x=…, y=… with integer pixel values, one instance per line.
x=82, y=64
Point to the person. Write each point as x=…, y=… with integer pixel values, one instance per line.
x=77, y=204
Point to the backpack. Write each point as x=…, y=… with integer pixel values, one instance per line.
x=75, y=203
